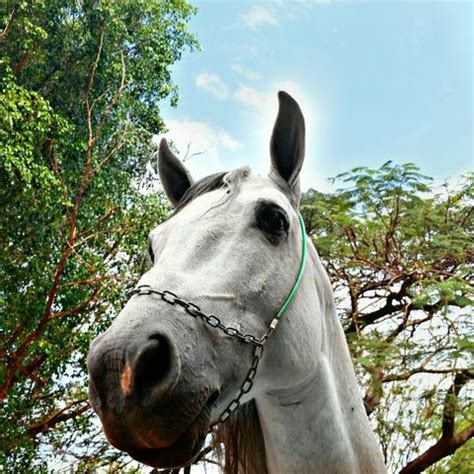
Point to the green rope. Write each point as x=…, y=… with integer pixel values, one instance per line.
x=299, y=276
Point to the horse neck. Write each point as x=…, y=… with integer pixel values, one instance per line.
x=319, y=425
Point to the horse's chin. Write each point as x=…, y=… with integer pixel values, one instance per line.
x=182, y=452
x=184, y=449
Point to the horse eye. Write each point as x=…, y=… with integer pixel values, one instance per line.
x=272, y=220
x=273, y=223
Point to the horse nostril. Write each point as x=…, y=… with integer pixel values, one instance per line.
x=105, y=363
x=153, y=364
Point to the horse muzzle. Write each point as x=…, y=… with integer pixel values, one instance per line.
x=145, y=402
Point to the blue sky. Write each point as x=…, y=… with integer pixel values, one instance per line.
x=376, y=80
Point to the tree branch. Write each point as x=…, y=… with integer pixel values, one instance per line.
x=14, y=360
x=62, y=415
x=4, y=32
x=77, y=309
x=449, y=441
x=99, y=222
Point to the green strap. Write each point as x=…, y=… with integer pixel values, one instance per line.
x=299, y=276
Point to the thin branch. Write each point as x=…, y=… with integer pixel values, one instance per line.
x=114, y=149
x=114, y=99
x=419, y=370
x=58, y=417
x=96, y=63
x=99, y=222
x=82, y=259
x=77, y=309
x=449, y=442
x=92, y=280
x=188, y=156
x=114, y=230
x=4, y=32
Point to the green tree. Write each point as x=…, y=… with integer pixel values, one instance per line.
x=399, y=253
x=80, y=88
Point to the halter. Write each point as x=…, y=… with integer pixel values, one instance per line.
x=213, y=321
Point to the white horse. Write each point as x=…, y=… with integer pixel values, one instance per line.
x=196, y=346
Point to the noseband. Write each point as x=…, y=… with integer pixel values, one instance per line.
x=213, y=321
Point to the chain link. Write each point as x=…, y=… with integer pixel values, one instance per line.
x=195, y=311
x=213, y=321
x=246, y=386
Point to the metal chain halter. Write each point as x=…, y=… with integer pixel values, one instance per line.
x=213, y=321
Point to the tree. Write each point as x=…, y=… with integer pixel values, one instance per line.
x=399, y=253
x=80, y=88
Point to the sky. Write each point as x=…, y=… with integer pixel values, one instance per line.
x=376, y=80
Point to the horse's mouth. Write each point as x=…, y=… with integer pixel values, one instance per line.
x=181, y=453
x=185, y=448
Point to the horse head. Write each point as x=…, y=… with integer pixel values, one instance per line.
x=186, y=351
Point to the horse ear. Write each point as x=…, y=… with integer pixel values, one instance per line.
x=174, y=177
x=287, y=145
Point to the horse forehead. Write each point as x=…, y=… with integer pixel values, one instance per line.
x=256, y=188
x=252, y=190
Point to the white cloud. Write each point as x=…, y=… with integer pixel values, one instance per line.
x=252, y=98
x=213, y=84
x=244, y=72
x=265, y=100
x=259, y=15
x=200, y=144
x=227, y=141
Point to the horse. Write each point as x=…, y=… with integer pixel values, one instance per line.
x=233, y=330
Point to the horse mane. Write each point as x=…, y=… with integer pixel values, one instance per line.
x=239, y=442
x=203, y=186
x=230, y=180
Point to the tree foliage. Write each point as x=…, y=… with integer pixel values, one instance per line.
x=80, y=88
x=399, y=253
